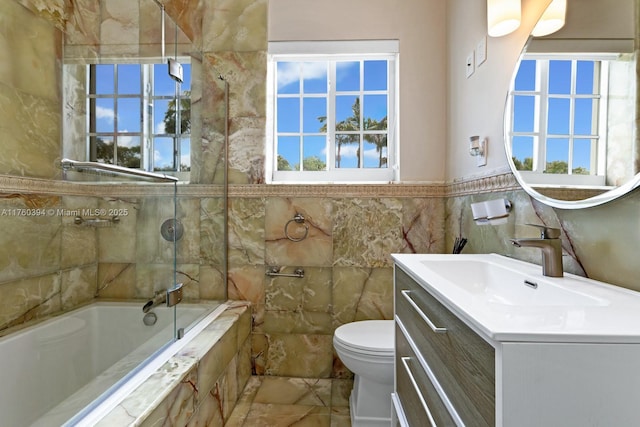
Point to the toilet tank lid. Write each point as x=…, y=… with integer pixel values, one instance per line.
x=375, y=335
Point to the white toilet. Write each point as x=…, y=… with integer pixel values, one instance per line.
x=367, y=349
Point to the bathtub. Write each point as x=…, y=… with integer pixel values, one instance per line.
x=74, y=366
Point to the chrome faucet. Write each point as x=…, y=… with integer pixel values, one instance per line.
x=158, y=298
x=551, y=246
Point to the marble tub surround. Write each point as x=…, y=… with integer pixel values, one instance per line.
x=284, y=401
x=198, y=386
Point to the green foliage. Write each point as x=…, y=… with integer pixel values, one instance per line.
x=128, y=157
x=527, y=165
x=185, y=115
x=580, y=171
x=557, y=167
x=283, y=164
x=313, y=163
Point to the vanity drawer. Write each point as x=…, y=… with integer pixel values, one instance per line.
x=420, y=401
x=461, y=361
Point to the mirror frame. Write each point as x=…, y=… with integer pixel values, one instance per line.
x=606, y=195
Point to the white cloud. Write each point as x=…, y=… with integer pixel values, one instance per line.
x=158, y=160
x=372, y=153
x=128, y=141
x=160, y=127
x=289, y=72
x=350, y=150
x=105, y=113
x=185, y=159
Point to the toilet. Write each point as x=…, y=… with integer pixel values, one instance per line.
x=366, y=348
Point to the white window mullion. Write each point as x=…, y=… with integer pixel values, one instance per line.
x=540, y=151
x=602, y=78
x=392, y=153
x=301, y=117
x=361, y=125
x=572, y=114
x=146, y=139
x=331, y=117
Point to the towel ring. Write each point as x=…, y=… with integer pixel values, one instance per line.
x=298, y=219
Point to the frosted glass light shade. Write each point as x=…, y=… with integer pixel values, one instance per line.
x=552, y=19
x=503, y=17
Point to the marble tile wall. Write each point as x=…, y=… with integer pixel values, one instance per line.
x=598, y=242
x=351, y=233
x=48, y=263
x=348, y=272
x=30, y=85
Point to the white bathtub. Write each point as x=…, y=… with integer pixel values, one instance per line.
x=52, y=372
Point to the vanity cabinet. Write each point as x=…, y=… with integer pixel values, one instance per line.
x=448, y=373
x=439, y=351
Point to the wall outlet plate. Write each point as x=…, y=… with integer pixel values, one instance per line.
x=481, y=51
x=470, y=65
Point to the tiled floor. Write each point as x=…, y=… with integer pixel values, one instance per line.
x=303, y=402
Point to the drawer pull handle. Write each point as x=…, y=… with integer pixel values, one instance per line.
x=438, y=330
x=405, y=362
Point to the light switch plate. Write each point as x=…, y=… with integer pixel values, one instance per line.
x=481, y=51
x=470, y=64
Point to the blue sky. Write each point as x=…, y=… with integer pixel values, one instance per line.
x=312, y=84
x=558, y=112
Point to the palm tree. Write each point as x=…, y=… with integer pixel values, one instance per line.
x=352, y=124
x=378, y=139
x=185, y=115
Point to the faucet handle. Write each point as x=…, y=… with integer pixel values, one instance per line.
x=547, y=232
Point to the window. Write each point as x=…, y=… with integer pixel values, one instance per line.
x=559, y=119
x=139, y=117
x=332, y=111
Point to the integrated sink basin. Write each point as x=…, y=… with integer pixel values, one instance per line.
x=502, y=298
x=498, y=284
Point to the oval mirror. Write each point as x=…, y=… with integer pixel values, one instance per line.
x=571, y=115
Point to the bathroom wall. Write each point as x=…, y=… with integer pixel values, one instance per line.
x=353, y=229
x=598, y=242
x=419, y=27
x=48, y=263
x=30, y=92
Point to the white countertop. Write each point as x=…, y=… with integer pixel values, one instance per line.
x=601, y=313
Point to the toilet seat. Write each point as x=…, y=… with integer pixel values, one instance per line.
x=372, y=337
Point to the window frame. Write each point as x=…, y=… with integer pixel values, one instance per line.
x=146, y=97
x=334, y=52
x=537, y=177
